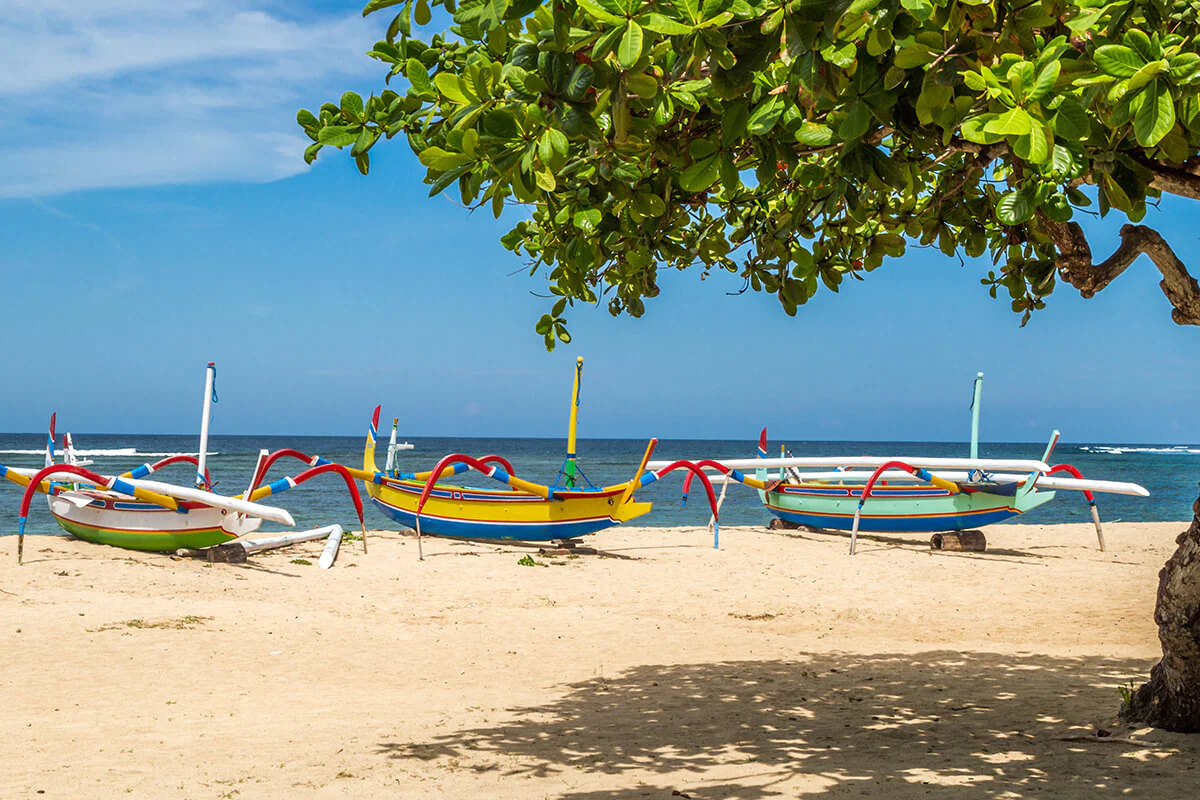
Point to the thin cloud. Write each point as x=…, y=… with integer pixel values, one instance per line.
x=136, y=93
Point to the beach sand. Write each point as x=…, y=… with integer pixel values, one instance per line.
x=777, y=666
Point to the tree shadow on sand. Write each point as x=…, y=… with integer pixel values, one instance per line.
x=938, y=724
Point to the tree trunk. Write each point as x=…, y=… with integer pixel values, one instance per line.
x=1171, y=699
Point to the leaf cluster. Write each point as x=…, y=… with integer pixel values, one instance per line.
x=795, y=144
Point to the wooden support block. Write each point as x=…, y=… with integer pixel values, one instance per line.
x=232, y=553
x=566, y=551
x=962, y=541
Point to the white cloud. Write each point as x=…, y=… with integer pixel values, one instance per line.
x=137, y=93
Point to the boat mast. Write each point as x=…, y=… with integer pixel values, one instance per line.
x=569, y=466
x=975, y=415
x=210, y=396
x=391, y=456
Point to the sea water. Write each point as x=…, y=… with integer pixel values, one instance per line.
x=1169, y=472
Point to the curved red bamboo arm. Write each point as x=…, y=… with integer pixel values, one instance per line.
x=351, y=485
x=116, y=484
x=501, y=460
x=453, y=458
x=312, y=461
x=696, y=470
x=181, y=459
x=1070, y=470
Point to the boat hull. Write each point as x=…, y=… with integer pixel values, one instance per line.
x=132, y=525
x=481, y=514
x=913, y=509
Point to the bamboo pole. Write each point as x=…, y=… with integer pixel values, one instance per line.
x=976, y=397
x=569, y=466
x=210, y=376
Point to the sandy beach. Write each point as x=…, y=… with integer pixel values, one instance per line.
x=777, y=666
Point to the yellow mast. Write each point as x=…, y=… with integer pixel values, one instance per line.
x=569, y=466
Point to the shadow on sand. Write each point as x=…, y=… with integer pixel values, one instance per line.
x=934, y=724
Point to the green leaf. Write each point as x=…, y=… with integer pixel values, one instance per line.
x=375, y=5
x=764, y=116
x=1035, y=146
x=1118, y=60
x=580, y=81
x=352, y=105
x=310, y=153
x=856, y=122
x=665, y=25
x=630, y=48
x=1014, y=122
x=597, y=11
x=421, y=13
x=337, y=135
x=1138, y=41
x=447, y=178
x=1046, y=79
x=414, y=70
x=587, y=219
x=1014, y=208
x=920, y=9
x=1070, y=120
x=1145, y=75
x=974, y=129
x=441, y=160
x=701, y=175
x=305, y=119
x=914, y=55
x=1156, y=117
x=641, y=84
x=813, y=134
x=450, y=88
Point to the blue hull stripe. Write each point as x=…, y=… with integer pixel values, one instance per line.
x=523, y=532
x=898, y=524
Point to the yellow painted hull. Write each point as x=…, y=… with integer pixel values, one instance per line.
x=471, y=513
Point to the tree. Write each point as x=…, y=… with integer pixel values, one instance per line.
x=798, y=143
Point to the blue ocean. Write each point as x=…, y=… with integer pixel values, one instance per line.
x=1169, y=472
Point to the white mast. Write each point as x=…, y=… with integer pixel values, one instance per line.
x=391, y=456
x=210, y=377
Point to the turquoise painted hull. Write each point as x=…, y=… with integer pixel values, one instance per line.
x=908, y=509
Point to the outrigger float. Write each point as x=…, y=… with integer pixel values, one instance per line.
x=130, y=512
x=910, y=494
x=524, y=511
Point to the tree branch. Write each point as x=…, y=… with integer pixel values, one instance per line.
x=1183, y=180
x=1077, y=268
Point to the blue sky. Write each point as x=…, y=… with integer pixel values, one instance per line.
x=155, y=214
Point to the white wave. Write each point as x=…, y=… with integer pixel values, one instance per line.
x=1119, y=450
x=119, y=452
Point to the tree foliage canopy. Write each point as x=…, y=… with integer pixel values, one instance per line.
x=795, y=143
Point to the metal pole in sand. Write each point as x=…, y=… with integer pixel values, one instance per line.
x=420, y=550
